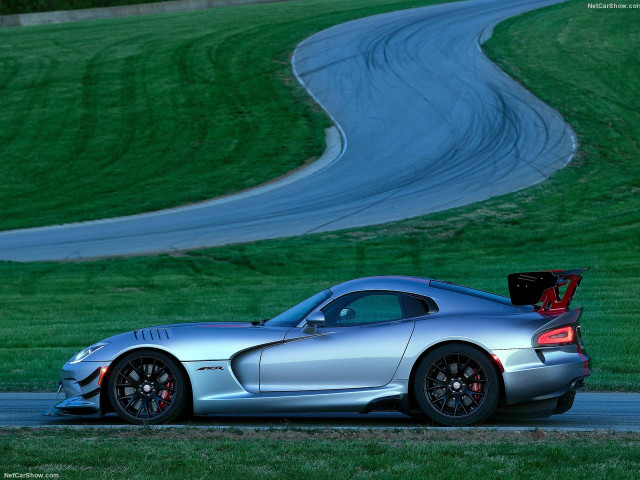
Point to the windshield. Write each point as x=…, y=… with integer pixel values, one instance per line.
x=294, y=315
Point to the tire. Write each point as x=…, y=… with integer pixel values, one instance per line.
x=147, y=387
x=456, y=385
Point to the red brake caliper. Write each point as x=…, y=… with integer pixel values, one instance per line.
x=476, y=387
x=165, y=395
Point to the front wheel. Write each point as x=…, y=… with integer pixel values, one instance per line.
x=457, y=385
x=147, y=387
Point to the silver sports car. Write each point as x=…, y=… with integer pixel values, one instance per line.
x=427, y=348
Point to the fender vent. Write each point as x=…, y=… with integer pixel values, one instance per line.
x=149, y=334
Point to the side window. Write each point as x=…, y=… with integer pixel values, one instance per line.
x=363, y=308
x=414, y=306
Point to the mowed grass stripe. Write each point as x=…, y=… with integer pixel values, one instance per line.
x=318, y=454
x=121, y=116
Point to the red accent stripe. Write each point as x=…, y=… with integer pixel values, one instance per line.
x=103, y=370
x=585, y=363
x=497, y=360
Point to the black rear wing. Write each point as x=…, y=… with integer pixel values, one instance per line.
x=533, y=288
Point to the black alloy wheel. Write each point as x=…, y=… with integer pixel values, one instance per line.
x=457, y=385
x=147, y=387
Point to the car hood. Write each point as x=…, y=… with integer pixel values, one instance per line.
x=190, y=342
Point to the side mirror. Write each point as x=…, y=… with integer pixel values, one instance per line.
x=313, y=321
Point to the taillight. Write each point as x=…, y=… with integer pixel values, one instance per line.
x=558, y=336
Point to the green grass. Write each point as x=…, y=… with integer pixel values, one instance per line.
x=120, y=116
x=318, y=454
x=585, y=215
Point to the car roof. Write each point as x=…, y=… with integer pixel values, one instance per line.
x=391, y=282
x=453, y=297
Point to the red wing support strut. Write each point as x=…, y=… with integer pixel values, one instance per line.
x=543, y=288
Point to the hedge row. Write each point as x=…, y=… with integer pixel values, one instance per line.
x=27, y=6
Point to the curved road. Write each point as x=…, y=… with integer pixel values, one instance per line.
x=428, y=122
x=618, y=412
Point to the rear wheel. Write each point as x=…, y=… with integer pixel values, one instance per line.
x=457, y=385
x=147, y=387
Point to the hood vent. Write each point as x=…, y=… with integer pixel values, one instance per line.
x=151, y=334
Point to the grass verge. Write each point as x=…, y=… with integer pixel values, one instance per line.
x=318, y=454
x=120, y=116
x=585, y=215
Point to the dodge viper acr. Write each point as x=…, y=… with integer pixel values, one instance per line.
x=427, y=348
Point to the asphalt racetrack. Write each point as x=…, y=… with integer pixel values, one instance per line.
x=427, y=121
x=617, y=412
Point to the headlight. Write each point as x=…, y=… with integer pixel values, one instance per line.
x=87, y=351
